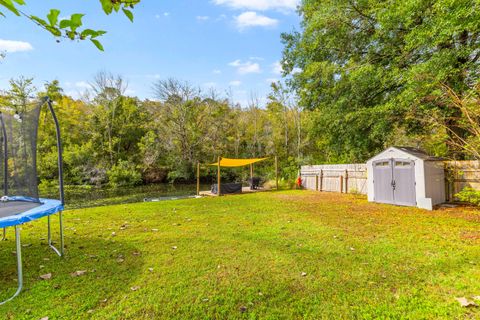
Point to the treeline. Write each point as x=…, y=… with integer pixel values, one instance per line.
x=380, y=73
x=111, y=138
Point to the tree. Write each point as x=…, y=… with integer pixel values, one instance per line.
x=69, y=28
x=466, y=117
x=372, y=67
x=183, y=122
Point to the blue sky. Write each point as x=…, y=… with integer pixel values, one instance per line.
x=225, y=44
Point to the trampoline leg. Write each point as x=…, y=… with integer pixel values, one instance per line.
x=19, y=265
x=57, y=251
x=4, y=237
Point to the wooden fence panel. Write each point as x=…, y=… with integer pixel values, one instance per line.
x=350, y=178
x=461, y=174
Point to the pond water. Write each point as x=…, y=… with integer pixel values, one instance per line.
x=91, y=196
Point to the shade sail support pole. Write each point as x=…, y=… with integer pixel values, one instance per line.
x=276, y=172
x=198, y=178
x=218, y=177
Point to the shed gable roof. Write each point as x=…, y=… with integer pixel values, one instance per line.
x=410, y=151
x=419, y=153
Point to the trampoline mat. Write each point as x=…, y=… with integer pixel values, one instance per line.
x=11, y=208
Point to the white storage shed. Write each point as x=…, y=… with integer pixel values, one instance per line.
x=406, y=176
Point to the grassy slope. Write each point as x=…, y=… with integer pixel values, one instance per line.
x=243, y=257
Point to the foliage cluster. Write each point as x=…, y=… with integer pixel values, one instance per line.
x=69, y=27
x=469, y=195
x=378, y=70
x=111, y=138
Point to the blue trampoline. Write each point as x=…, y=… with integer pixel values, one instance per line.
x=20, y=202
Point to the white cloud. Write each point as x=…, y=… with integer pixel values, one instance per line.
x=296, y=70
x=210, y=84
x=82, y=85
x=203, y=18
x=271, y=80
x=217, y=71
x=165, y=14
x=277, y=68
x=252, y=19
x=11, y=46
x=246, y=67
x=283, y=5
x=130, y=92
x=221, y=17
x=235, y=83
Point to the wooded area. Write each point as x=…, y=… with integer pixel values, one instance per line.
x=384, y=73
x=112, y=138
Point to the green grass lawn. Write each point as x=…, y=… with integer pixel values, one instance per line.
x=292, y=254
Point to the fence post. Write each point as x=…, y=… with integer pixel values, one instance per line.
x=346, y=180
x=341, y=184
x=316, y=182
x=321, y=179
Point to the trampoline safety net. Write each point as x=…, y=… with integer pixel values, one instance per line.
x=18, y=150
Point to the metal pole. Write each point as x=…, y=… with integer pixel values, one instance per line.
x=251, y=175
x=198, y=178
x=218, y=176
x=60, y=180
x=19, y=265
x=59, y=147
x=5, y=157
x=4, y=234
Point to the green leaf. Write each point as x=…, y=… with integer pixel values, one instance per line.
x=39, y=21
x=92, y=33
x=107, y=6
x=97, y=44
x=10, y=6
x=128, y=13
x=53, y=17
x=76, y=21
x=54, y=30
x=65, y=24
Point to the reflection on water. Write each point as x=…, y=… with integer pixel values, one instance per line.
x=91, y=196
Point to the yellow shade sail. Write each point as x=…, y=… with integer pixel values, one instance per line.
x=226, y=162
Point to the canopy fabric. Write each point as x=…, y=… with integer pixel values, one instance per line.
x=226, y=162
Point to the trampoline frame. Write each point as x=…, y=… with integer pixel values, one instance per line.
x=18, y=243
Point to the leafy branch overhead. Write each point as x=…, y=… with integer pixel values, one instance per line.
x=72, y=27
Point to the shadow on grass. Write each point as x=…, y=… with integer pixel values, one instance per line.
x=108, y=269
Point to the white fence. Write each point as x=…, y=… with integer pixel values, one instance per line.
x=352, y=178
x=345, y=178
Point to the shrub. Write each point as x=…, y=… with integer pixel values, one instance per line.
x=123, y=174
x=469, y=195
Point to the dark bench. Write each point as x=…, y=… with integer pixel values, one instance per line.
x=227, y=188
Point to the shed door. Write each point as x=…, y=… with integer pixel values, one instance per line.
x=382, y=180
x=404, y=182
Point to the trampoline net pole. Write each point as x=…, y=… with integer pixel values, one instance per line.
x=4, y=237
x=19, y=265
x=50, y=243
